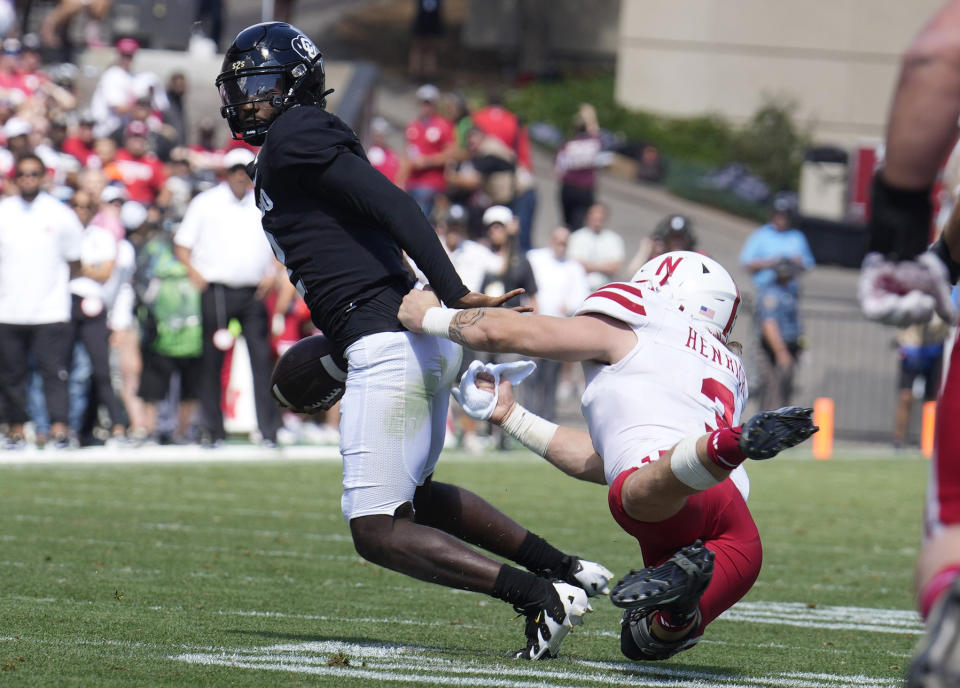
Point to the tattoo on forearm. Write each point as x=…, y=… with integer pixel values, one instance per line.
x=462, y=321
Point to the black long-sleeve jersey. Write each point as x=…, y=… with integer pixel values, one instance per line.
x=339, y=227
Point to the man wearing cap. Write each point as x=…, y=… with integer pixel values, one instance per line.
x=431, y=143
x=780, y=334
x=140, y=170
x=514, y=270
x=472, y=260
x=229, y=260
x=39, y=248
x=17, y=132
x=771, y=243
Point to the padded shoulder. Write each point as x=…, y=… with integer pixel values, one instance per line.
x=625, y=301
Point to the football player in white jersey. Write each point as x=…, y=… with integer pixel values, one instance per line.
x=662, y=402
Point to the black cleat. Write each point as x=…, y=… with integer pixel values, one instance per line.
x=937, y=660
x=638, y=642
x=770, y=432
x=677, y=583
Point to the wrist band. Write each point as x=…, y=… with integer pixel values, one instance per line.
x=899, y=220
x=940, y=250
x=436, y=321
x=531, y=430
x=688, y=468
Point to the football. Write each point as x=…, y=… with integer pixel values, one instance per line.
x=309, y=377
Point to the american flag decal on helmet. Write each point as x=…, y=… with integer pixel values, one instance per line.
x=707, y=312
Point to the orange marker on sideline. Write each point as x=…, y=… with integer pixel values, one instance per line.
x=823, y=417
x=928, y=423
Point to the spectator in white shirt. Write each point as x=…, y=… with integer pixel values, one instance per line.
x=98, y=256
x=39, y=248
x=222, y=243
x=561, y=288
x=471, y=260
x=599, y=249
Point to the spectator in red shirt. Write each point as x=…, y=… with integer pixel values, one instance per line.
x=431, y=143
x=496, y=120
x=383, y=158
x=79, y=144
x=141, y=172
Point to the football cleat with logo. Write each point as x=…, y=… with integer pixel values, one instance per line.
x=548, y=624
x=768, y=433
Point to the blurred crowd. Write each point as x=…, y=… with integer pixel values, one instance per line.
x=127, y=239
x=132, y=259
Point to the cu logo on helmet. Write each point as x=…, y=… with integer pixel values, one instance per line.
x=304, y=47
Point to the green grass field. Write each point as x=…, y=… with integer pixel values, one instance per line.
x=218, y=574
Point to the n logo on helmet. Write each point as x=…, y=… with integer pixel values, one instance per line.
x=670, y=263
x=304, y=47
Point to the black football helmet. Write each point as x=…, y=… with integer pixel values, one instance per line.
x=273, y=63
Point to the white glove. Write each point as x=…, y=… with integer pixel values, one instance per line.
x=479, y=403
x=905, y=292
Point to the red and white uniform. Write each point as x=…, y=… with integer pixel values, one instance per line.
x=678, y=381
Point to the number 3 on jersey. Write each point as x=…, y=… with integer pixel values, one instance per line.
x=715, y=391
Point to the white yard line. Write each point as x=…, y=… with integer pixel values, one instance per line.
x=381, y=662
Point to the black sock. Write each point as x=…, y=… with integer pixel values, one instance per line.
x=537, y=555
x=522, y=589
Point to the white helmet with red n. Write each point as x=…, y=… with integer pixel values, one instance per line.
x=698, y=285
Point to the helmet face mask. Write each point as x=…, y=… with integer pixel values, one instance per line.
x=268, y=68
x=697, y=285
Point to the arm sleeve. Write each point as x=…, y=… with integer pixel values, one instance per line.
x=352, y=182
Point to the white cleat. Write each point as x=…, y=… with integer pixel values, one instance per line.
x=594, y=578
x=547, y=626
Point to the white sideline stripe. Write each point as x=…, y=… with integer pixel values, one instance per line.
x=193, y=454
x=169, y=454
x=383, y=662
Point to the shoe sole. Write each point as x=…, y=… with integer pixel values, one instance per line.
x=771, y=432
x=937, y=661
x=656, y=587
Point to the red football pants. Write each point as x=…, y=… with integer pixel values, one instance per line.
x=719, y=517
x=943, y=506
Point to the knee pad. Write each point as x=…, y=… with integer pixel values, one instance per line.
x=638, y=643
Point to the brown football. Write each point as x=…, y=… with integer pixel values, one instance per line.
x=309, y=377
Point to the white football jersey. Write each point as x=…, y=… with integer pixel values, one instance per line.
x=678, y=381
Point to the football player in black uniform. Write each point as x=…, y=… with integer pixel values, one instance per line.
x=339, y=226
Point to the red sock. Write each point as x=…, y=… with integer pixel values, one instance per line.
x=669, y=622
x=723, y=448
x=935, y=587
